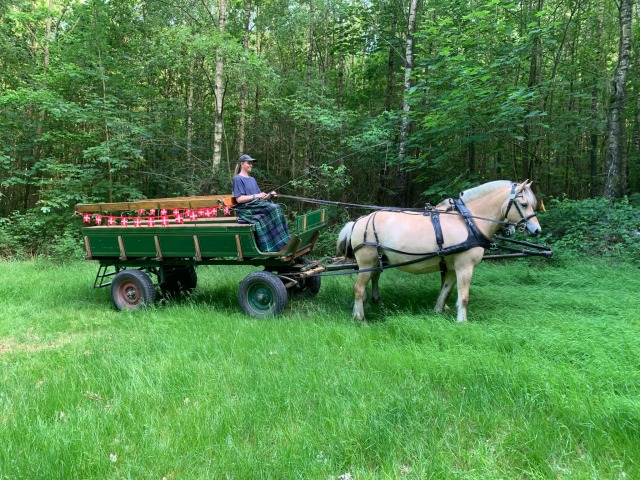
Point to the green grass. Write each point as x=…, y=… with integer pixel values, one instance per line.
x=543, y=382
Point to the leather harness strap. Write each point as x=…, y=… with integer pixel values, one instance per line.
x=435, y=221
x=475, y=238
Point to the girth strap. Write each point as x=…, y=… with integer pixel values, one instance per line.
x=372, y=219
x=435, y=221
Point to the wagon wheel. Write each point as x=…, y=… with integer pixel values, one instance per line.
x=262, y=294
x=132, y=289
x=178, y=280
x=308, y=286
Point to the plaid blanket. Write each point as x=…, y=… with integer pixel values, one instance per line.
x=272, y=233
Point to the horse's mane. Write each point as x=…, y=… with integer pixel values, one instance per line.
x=489, y=187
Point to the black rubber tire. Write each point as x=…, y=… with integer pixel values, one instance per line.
x=179, y=280
x=309, y=286
x=132, y=289
x=262, y=294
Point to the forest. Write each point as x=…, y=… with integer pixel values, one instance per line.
x=382, y=102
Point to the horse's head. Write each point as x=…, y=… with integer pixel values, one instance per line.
x=520, y=208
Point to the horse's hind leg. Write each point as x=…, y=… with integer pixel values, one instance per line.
x=447, y=286
x=360, y=292
x=375, y=292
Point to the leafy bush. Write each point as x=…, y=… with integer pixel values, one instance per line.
x=593, y=227
x=37, y=234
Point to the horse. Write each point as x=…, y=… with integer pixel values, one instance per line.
x=450, y=237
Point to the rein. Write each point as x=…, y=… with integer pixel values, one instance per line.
x=427, y=208
x=475, y=237
x=349, y=205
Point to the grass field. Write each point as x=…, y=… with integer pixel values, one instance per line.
x=543, y=382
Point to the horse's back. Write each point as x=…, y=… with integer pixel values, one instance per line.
x=409, y=232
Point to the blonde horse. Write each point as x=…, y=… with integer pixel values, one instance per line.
x=450, y=238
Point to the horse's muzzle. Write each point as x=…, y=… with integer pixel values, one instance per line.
x=532, y=229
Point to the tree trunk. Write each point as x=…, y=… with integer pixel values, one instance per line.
x=243, y=87
x=528, y=157
x=311, y=32
x=219, y=91
x=404, y=133
x=593, y=148
x=190, y=116
x=391, y=65
x=309, y=150
x=616, y=164
x=341, y=68
x=41, y=116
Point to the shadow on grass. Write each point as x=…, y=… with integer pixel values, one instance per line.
x=401, y=295
x=416, y=295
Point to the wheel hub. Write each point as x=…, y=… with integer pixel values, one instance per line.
x=261, y=297
x=131, y=294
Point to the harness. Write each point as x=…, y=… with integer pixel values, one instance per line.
x=475, y=238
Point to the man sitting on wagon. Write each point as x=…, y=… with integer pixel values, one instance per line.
x=272, y=233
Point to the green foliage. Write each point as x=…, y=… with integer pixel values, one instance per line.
x=38, y=234
x=592, y=227
x=115, y=100
x=324, y=181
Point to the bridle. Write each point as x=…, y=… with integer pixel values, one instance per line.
x=521, y=225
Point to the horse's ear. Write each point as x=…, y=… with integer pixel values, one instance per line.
x=522, y=186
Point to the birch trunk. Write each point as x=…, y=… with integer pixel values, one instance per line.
x=401, y=183
x=219, y=91
x=408, y=68
x=616, y=148
x=190, y=115
x=391, y=66
x=593, y=147
x=243, y=88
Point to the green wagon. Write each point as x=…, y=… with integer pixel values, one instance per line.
x=160, y=243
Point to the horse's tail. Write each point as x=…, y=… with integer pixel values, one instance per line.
x=344, y=240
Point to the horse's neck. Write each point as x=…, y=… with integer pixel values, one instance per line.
x=489, y=207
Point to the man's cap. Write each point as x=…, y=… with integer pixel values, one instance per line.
x=245, y=158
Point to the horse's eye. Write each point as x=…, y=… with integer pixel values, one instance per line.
x=524, y=205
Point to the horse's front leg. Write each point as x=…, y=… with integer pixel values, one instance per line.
x=360, y=292
x=445, y=291
x=375, y=292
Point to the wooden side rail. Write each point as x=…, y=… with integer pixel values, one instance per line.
x=231, y=222
x=158, y=204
